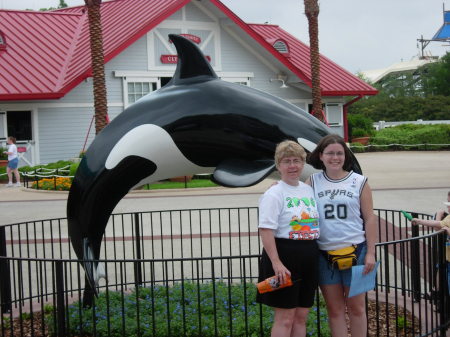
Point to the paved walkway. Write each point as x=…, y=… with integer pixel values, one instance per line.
x=414, y=181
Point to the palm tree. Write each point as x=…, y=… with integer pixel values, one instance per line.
x=98, y=68
x=312, y=13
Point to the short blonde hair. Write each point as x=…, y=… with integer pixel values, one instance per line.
x=289, y=148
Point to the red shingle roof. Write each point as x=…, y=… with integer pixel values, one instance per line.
x=334, y=80
x=47, y=53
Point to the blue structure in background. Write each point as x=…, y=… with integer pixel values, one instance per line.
x=442, y=35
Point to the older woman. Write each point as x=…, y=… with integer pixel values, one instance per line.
x=288, y=227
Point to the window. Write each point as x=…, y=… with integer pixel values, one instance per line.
x=137, y=90
x=281, y=46
x=19, y=124
x=334, y=114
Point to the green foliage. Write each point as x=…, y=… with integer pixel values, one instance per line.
x=413, y=134
x=184, y=309
x=5, y=323
x=420, y=94
x=436, y=80
x=384, y=108
x=359, y=125
x=3, y=155
x=357, y=147
x=194, y=183
x=403, y=323
x=62, y=4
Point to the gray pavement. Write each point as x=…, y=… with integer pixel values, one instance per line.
x=413, y=181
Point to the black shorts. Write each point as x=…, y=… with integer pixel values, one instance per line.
x=301, y=258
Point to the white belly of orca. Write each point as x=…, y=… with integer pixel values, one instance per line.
x=169, y=160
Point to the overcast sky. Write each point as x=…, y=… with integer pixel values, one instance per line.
x=356, y=34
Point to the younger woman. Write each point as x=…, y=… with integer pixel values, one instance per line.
x=346, y=219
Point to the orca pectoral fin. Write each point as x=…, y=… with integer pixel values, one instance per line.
x=242, y=173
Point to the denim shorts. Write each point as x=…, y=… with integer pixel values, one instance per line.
x=13, y=163
x=328, y=275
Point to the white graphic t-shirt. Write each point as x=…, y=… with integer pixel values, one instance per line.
x=291, y=211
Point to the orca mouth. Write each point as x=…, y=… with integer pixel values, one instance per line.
x=94, y=269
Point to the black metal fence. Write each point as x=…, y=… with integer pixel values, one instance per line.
x=192, y=273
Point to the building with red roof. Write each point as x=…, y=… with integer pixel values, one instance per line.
x=46, y=98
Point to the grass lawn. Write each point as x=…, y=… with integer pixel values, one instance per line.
x=194, y=183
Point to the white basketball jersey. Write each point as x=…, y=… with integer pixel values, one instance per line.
x=338, y=203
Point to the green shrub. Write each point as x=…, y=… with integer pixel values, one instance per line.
x=358, y=132
x=191, y=309
x=359, y=125
x=3, y=155
x=357, y=147
x=418, y=136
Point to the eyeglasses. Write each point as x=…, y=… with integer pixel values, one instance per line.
x=292, y=162
x=332, y=154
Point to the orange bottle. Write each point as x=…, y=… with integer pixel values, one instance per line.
x=272, y=283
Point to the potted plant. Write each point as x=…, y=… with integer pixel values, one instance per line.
x=3, y=157
x=360, y=136
x=360, y=128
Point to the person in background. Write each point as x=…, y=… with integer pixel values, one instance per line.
x=13, y=162
x=289, y=228
x=440, y=215
x=346, y=220
x=442, y=221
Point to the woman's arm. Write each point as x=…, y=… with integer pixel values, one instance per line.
x=370, y=227
x=268, y=241
x=427, y=223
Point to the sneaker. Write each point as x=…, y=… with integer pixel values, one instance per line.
x=17, y=185
x=10, y=185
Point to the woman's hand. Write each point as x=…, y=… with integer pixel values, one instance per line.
x=281, y=271
x=369, y=263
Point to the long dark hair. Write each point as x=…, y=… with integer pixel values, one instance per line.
x=314, y=157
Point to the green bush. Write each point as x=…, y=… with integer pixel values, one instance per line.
x=358, y=132
x=357, y=147
x=359, y=125
x=3, y=155
x=413, y=137
x=191, y=309
x=382, y=107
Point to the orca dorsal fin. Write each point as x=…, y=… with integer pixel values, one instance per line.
x=191, y=61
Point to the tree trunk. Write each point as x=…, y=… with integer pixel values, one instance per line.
x=98, y=67
x=312, y=13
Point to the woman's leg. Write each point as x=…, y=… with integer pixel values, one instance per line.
x=335, y=299
x=8, y=171
x=16, y=173
x=299, y=324
x=356, y=308
x=282, y=322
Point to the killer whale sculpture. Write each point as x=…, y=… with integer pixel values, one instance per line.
x=196, y=123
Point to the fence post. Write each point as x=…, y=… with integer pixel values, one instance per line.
x=137, y=238
x=60, y=301
x=5, y=279
x=415, y=262
x=443, y=300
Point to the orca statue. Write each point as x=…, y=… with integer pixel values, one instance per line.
x=196, y=123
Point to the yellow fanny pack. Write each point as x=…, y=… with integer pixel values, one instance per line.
x=343, y=258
